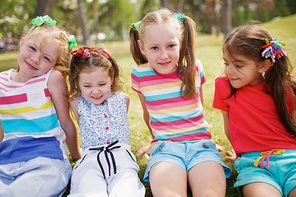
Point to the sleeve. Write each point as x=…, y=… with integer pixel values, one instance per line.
x=200, y=71
x=135, y=80
x=221, y=92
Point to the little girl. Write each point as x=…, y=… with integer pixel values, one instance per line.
x=257, y=100
x=107, y=167
x=168, y=80
x=34, y=114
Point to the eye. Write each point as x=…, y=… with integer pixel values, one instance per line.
x=238, y=66
x=32, y=48
x=102, y=84
x=154, y=48
x=86, y=86
x=47, y=59
x=226, y=64
x=171, y=46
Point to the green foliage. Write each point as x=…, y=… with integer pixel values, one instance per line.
x=209, y=52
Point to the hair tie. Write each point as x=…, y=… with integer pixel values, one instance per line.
x=85, y=53
x=179, y=16
x=71, y=40
x=136, y=26
x=39, y=20
x=274, y=49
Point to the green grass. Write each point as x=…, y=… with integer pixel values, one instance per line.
x=209, y=52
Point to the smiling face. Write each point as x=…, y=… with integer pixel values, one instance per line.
x=35, y=59
x=242, y=71
x=161, y=47
x=95, y=85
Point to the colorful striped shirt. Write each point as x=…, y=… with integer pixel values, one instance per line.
x=172, y=117
x=29, y=120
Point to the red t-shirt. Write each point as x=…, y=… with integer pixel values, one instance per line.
x=253, y=120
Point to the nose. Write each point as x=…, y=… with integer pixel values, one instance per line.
x=164, y=54
x=35, y=58
x=228, y=70
x=96, y=90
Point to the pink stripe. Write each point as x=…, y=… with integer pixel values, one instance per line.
x=13, y=87
x=13, y=99
x=173, y=124
x=5, y=79
x=46, y=92
x=189, y=137
x=168, y=105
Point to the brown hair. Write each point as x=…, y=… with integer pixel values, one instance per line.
x=248, y=41
x=50, y=33
x=187, y=57
x=95, y=59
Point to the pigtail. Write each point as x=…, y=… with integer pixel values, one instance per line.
x=281, y=86
x=187, y=60
x=138, y=57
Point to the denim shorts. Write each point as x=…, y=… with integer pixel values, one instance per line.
x=279, y=171
x=186, y=155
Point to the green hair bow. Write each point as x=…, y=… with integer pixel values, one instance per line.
x=71, y=40
x=39, y=20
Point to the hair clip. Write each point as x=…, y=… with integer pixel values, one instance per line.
x=71, y=40
x=179, y=16
x=39, y=20
x=274, y=49
x=85, y=53
x=136, y=26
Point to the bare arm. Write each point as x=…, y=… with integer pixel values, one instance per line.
x=127, y=98
x=146, y=115
x=58, y=89
x=74, y=107
x=1, y=132
x=226, y=124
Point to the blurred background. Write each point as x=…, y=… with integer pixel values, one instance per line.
x=98, y=21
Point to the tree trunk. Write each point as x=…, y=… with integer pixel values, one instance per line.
x=96, y=18
x=227, y=20
x=44, y=7
x=82, y=21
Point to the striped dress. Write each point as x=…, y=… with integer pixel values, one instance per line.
x=29, y=119
x=172, y=117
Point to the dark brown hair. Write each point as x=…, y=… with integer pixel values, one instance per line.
x=248, y=41
x=187, y=58
x=95, y=59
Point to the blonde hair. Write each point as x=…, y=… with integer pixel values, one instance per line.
x=95, y=59
x=187, y=58
x=50, y=33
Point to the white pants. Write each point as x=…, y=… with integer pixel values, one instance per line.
x=37, y=177
x=88, y=177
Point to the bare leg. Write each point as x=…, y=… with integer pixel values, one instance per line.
x=168, y=179
x=292, y=193
x=260, y=190
x=207, y=179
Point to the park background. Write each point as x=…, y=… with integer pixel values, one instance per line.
x=114, y=18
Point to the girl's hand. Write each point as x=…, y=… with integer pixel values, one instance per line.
x=220, y=148
x=144, y=150
x=232, y=155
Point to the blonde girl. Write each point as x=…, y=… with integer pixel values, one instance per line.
x=107, y=167
x=34, y=114
x=168, y=79
x=257, y=100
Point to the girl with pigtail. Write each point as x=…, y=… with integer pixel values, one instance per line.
x=168, y=79
x=257, y=100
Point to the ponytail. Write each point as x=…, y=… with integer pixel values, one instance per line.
x=282, y=87
x=187, y=59
x=138, y=57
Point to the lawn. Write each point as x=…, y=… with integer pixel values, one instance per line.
x=209, y=52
